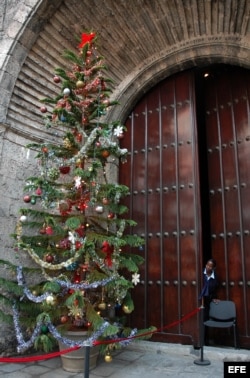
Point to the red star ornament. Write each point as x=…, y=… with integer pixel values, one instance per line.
x=86, y=38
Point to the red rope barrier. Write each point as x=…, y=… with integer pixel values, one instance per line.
x=65, y=351
x=37, y=358
x=192, y=313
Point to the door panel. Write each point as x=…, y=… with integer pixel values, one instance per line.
x=227, y=129
x=163, y=161
x=189, y=175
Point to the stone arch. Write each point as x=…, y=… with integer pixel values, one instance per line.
x=201, y=52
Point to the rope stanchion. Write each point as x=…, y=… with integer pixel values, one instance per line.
x=201, y=360
x=96, y=343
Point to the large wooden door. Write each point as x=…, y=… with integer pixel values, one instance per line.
x=189, y=175
x=162, y=173
x=227, y=119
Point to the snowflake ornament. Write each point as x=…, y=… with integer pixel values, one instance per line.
x=78, y=182
x=135, y=278
x=118, y=131
x=72, y=237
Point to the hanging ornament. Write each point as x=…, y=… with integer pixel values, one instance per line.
x=45, y=149
x=23, y=218
x=111, y=215
x=108, y=250
x=99, y=209
x=126, y=309
x=108, y=358
x=118, y=132
x=50, y=300
x=64, y=169
x=43, y=109
x=105, y=154
x=78, y=182
x=42, y=231
x=78, y=245
x=49, y=258
x=80, y=84
x=66, y=91
x=77, y=277
x=102, y=306
x=79, y=137
x=49, y=230
x=67, y=143
x=33, y=200
x=27, y=198
x=135, y=278
x=56, y=79
x=64, y=319
x=81, y=231
x=65, y=207
x=105, y=201
x=44, y=329
x=64, y=244
x=79, y=163
x=38, y=191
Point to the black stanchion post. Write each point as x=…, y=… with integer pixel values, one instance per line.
x=201, y=361
x=86, y=367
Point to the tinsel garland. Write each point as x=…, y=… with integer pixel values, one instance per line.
x=63, y=284
x=50, y=266
x=24, y=345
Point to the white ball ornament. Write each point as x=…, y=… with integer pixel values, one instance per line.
x=66, y=91
x=50, y=300
x=99, y=209
x=23, y=218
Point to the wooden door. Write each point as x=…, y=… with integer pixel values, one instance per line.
x=226, y=113
x=162, y=174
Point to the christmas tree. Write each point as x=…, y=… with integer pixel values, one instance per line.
x=73, y=224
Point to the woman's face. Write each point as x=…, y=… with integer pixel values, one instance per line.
x=209, y=267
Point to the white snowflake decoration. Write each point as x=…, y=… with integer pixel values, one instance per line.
x=78, y=182
x=72, y=237
x=135, y=278
x=118, y=131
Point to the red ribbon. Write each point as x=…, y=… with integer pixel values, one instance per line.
x=95, y=343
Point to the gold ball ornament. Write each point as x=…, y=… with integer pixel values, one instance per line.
x=80, y=84
x=102, y=306
x=108, y=358
x=126, y=309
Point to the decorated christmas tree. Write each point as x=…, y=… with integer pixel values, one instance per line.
x=73, y=223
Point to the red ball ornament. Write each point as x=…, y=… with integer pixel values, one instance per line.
x=64, y=169
x=43, y=109
x=49, y=258
x=64, y=319
x=27, y=198
x=45, y=150
x=105, y=201
x=56, y=79
x=78, y=245
x=79, y=137
x=38, y=191
x=111, y=215
x=49, y=230
x=42, y=231
x=105, y=153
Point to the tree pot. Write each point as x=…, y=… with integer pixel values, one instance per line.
x=75, y=361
